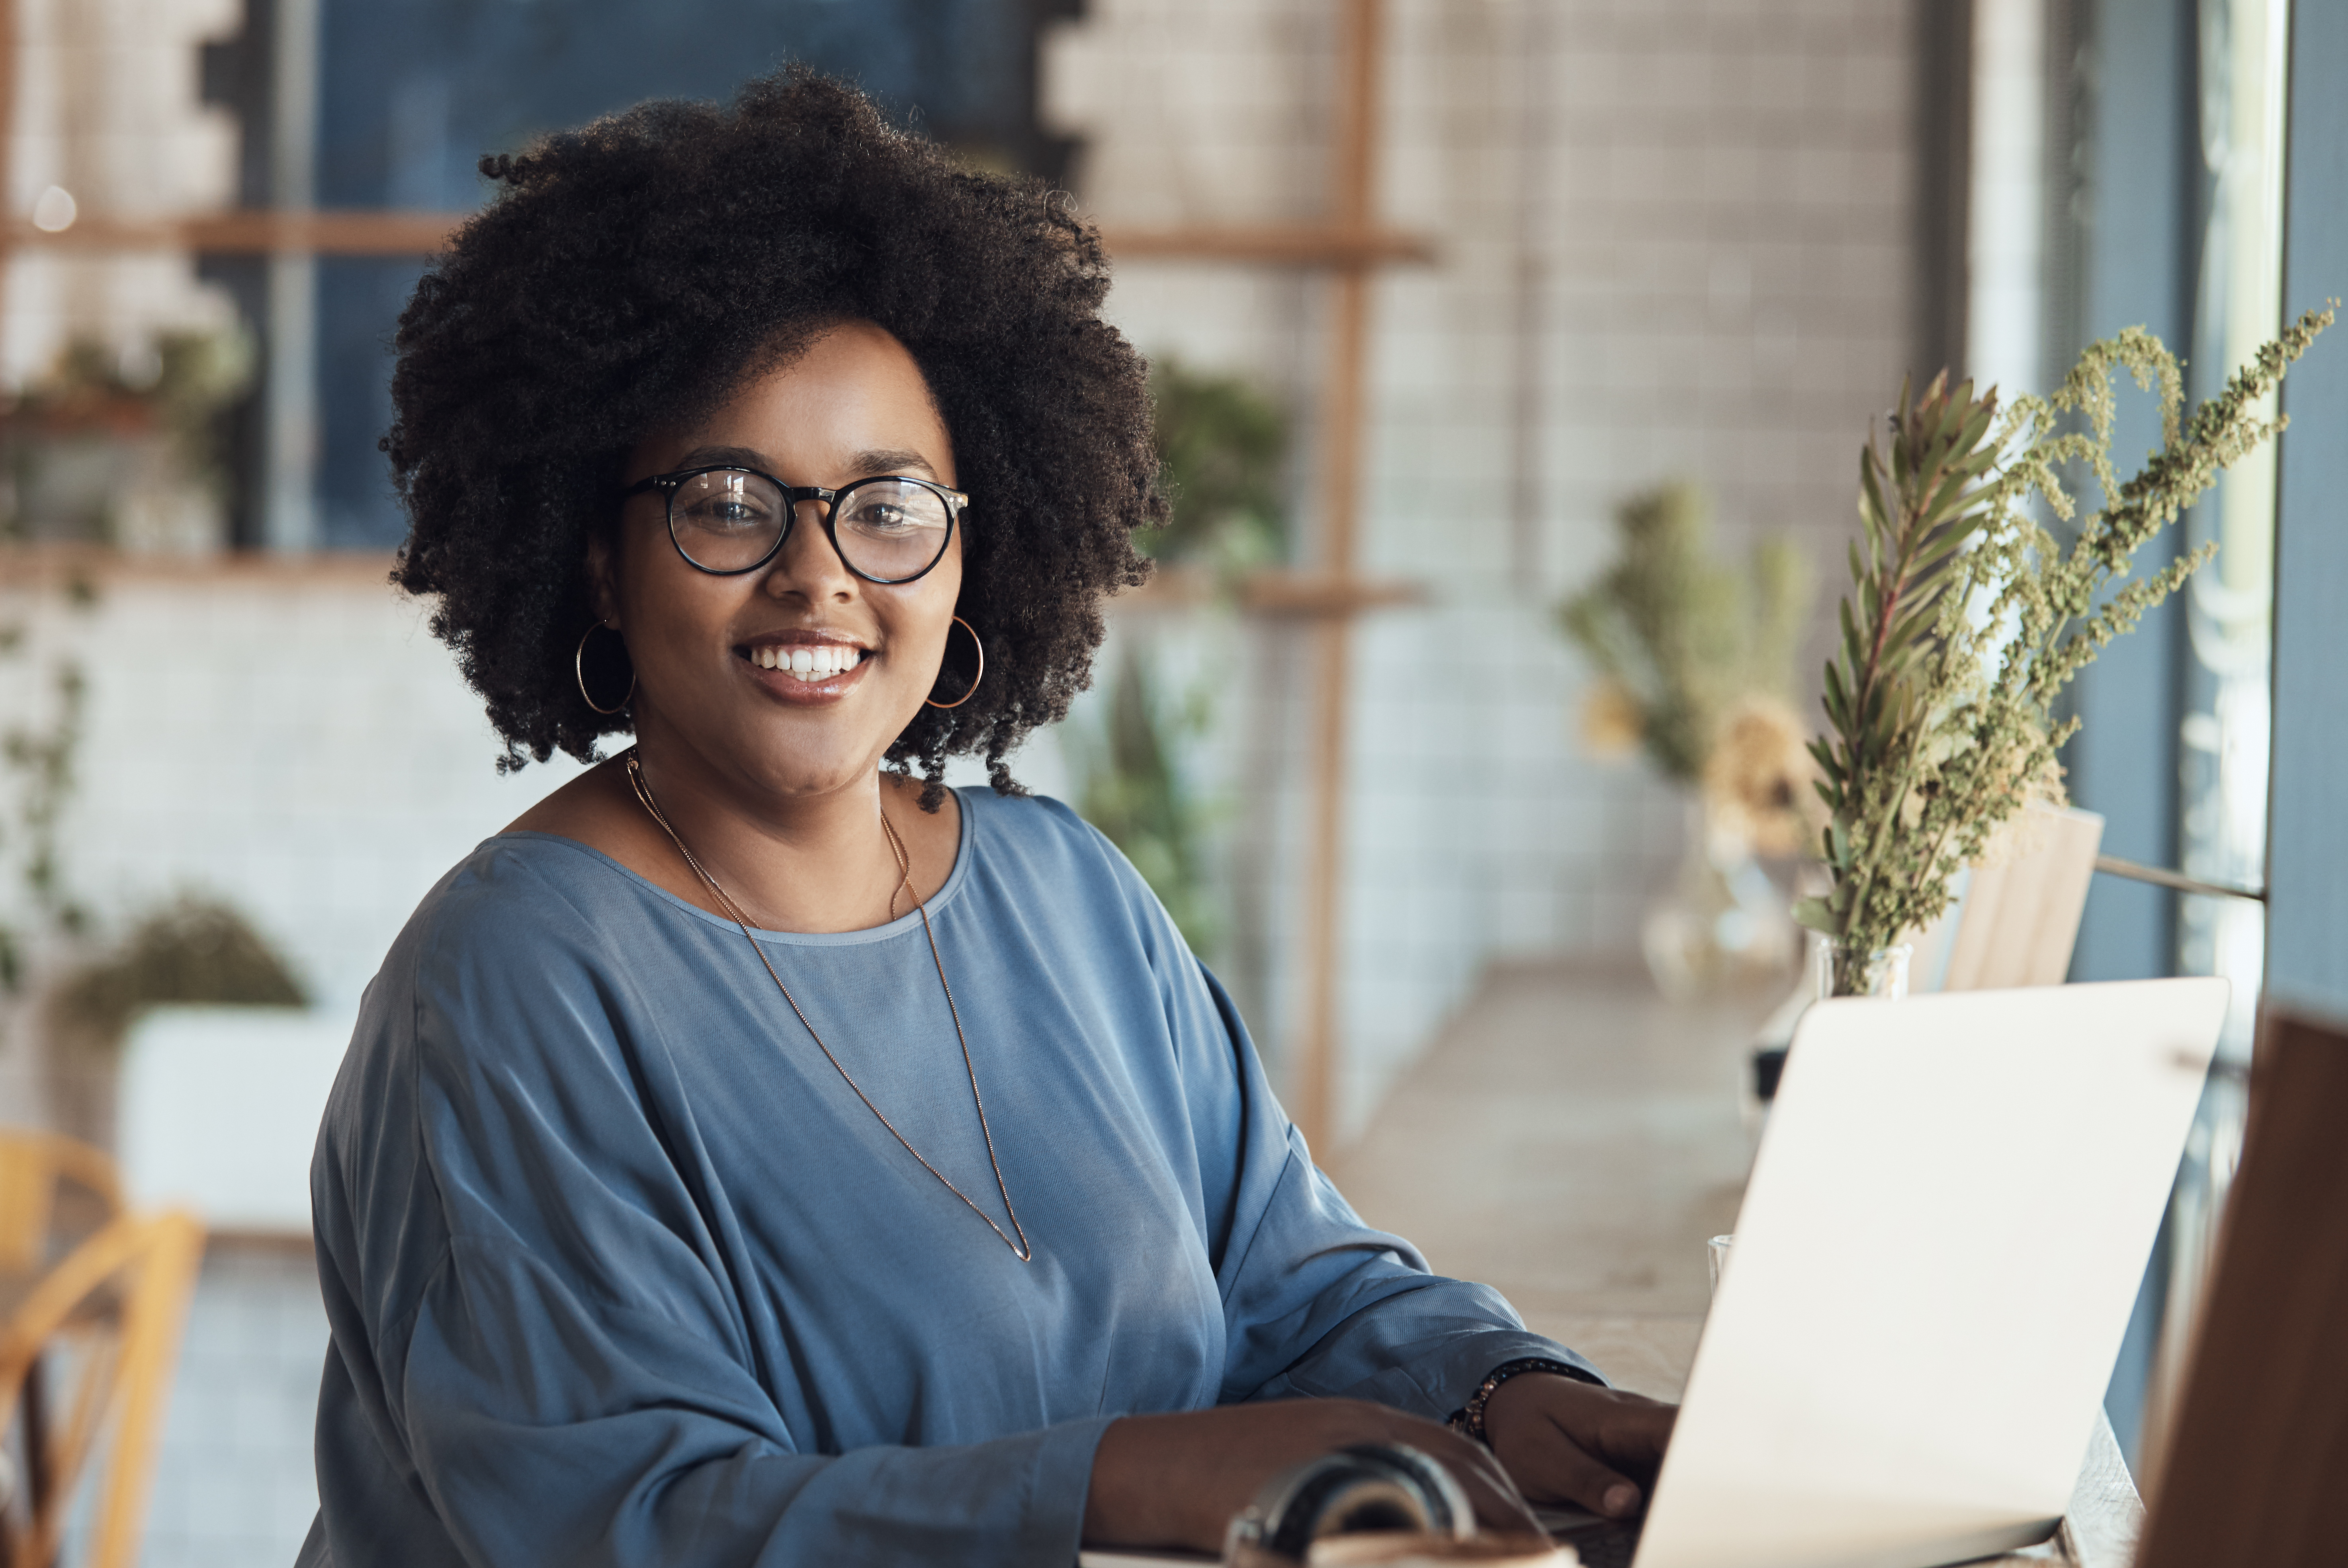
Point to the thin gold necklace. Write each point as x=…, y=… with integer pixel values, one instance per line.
x=1020, y=1249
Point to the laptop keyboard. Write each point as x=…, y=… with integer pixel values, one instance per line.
x=1608, y=1544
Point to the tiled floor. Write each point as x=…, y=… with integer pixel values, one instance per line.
x=1571, y=1139
x=234, y=1486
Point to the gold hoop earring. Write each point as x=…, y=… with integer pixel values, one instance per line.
x=579, y=671
x=981, y=676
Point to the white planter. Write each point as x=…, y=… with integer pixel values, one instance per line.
x=220, y=1111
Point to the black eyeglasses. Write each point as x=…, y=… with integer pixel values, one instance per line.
x=727, y=520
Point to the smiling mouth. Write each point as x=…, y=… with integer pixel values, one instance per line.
x=806, y=664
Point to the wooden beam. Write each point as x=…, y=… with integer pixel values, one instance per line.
x=1315, y=595
x=1352, y=157
x=1296, y=245
x=8, y=140
x=253, y=231
x=357, y=232
x=1279, y=591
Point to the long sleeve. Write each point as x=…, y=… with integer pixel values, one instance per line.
x=1318, y=1303
x=1315, y=1301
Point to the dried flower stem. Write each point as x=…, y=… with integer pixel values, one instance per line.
x=1965, y=618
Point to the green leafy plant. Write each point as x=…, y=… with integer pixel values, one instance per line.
x=37, y=764
x=1223, y=447
x=1678, y=634
x=1966, y=619
x=193, y=950
x=1133, y=793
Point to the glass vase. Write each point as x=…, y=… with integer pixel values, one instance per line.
x=1839, y=969
x=1723, y=926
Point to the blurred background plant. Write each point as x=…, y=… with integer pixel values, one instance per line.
x=1223, y=453
x=1223, y=450
x=1758, y=779
x=194, y=949
x=1679, y=636
x=124, y=446
x=1694, y=658
x=1134, y=793
x=38, y=754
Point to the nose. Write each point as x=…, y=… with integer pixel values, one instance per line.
x=807, y=566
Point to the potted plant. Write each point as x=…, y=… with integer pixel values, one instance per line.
x=122, y=448
x=192, y=950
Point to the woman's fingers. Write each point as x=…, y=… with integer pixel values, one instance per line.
x=1567, y=1441
x=1552, y=1466
x=1634, y=1432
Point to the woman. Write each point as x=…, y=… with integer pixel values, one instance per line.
x=756, y=1153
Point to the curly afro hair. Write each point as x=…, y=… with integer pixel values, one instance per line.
x=637, y=270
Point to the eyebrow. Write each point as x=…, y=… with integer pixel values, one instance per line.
x=889, y=460
x=863, y=465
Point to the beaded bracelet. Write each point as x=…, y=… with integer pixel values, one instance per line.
x=1469, y=1420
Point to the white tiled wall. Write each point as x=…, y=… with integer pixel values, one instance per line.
x=1696, y=214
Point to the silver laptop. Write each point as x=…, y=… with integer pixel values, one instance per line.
x=1936, y=1260
x=1934, y=1266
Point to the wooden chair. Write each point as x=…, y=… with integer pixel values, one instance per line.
x=2257, y=1459
x=55, y=1193
x=106, y=1323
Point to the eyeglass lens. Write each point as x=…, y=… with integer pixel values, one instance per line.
x=728, y=520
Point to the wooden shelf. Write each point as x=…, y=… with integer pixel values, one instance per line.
x=51, y=564
x=1293, y=246
x=1274, y=592
x=1313, y=595
x=351, y=232
x=253, y=233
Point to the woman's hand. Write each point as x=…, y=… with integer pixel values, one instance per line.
x=1175, y=1479
x=1567, y=1441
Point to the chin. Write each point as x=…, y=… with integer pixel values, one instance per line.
x=799, y=769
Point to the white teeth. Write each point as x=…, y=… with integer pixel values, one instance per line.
x=808, y=661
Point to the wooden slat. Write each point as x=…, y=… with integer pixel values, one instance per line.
x=1305, y=593
x=1352, y=168
x=1272, y=592
x=1303, y=246
x=252, y=232
x=7, y=125
x=353, y=232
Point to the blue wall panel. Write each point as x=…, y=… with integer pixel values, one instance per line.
x=2307, y=862
x=2124, y=762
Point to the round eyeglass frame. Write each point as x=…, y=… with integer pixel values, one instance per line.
x=794, y=497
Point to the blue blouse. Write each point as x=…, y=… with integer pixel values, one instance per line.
x=620, y=1272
